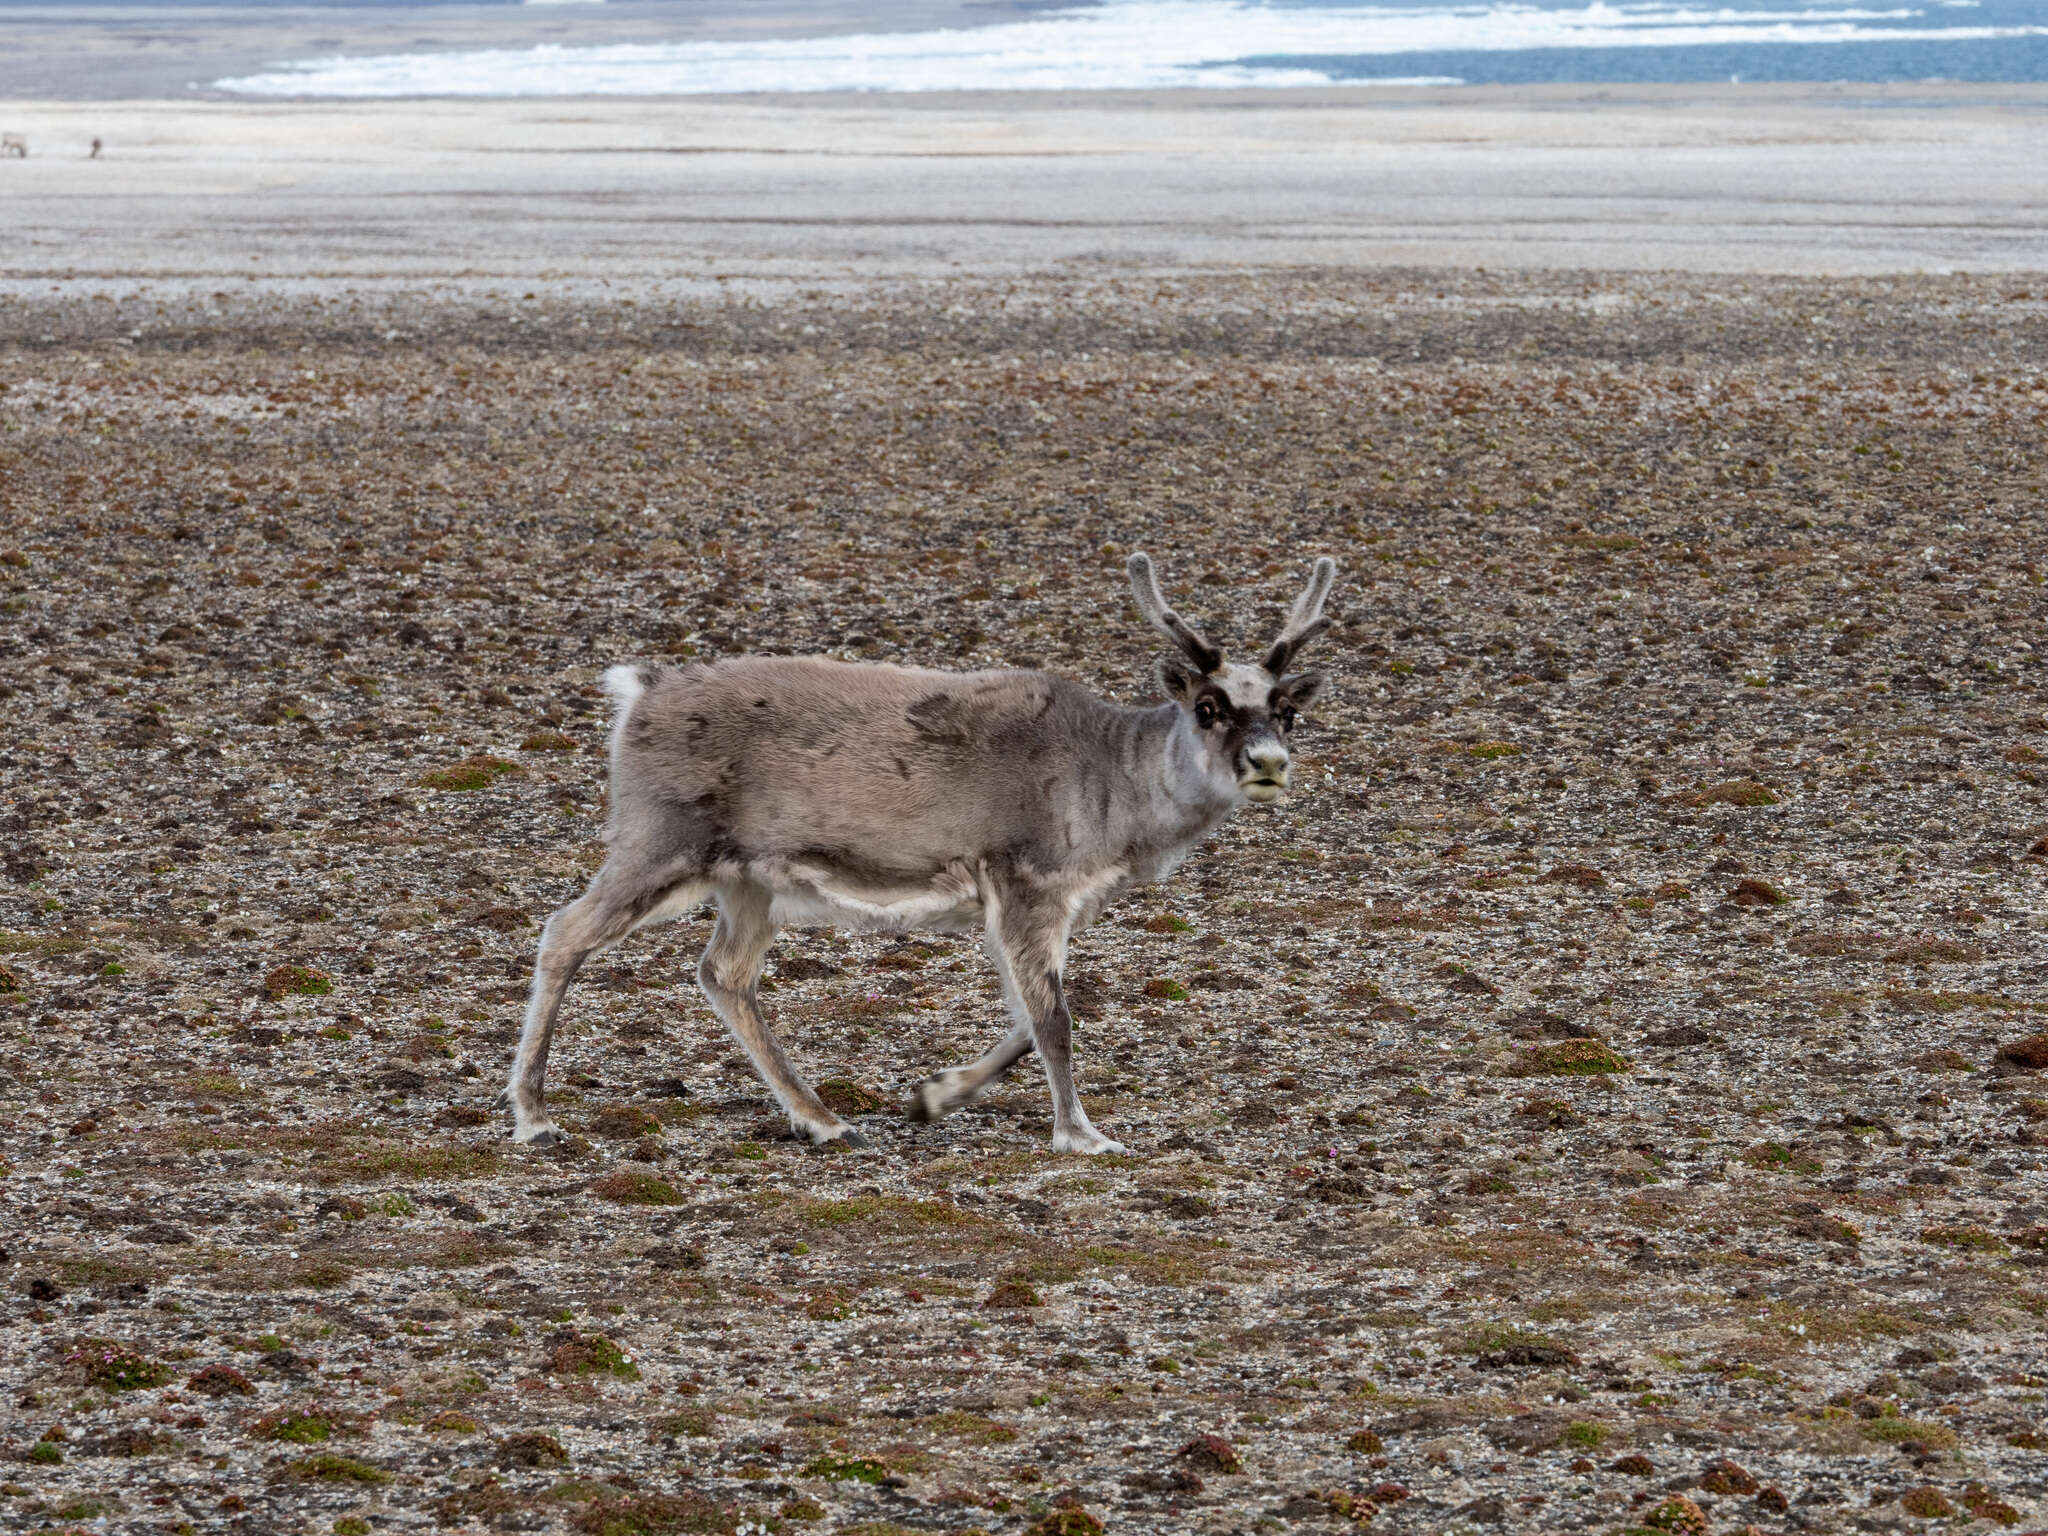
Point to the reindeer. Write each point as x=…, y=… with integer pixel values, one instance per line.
x=14, y=144
x=809, y=791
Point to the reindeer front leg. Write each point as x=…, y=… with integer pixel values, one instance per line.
x=1027, y=939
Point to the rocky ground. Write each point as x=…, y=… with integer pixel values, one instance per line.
x=1607, y=1096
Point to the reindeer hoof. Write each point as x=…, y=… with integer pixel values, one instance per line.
x=546, y=1136
x=503, y=1100
x=1097, y=1145
x=928, y=1102
x=846, y=1138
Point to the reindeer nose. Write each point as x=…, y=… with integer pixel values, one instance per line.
x=1267, y=760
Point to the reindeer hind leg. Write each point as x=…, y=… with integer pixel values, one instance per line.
x=729, y=974
x=612, y=906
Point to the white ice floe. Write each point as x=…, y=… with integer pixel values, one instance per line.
x=1121, y=45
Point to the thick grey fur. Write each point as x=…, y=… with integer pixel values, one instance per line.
x=807, y=791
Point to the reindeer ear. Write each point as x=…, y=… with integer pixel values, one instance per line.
x=1300, y=688
x=1177, y=679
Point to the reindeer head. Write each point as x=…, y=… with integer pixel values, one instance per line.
x=1242, y=713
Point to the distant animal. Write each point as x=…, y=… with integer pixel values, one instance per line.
x=95, y=150
x=809, y=791
x=14, y=144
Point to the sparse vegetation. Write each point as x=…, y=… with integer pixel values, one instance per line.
x=1478, y=1117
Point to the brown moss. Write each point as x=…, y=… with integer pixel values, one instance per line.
x=591, y=1354
x=2029, y=1054
x=844, y=1096
x=1212, y=1453
x=531, y=1448
x=623, y=1122
x=1757, y=893
x=1926, y=1503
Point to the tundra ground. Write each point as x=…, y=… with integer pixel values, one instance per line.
x=1608, y=1094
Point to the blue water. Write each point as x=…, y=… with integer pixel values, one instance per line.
x=1985, y=59
x=1878, y=61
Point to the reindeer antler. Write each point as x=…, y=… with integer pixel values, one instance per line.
x=1145, y=584
x=1305, y=620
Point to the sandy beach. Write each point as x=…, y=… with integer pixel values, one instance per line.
x=1610, y=1095
x=685, y=193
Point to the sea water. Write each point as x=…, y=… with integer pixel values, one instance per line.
x=1147, y=44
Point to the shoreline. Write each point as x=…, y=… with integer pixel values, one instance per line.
x=1849, y=180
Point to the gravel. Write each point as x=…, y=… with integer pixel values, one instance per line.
x=1607, y=1092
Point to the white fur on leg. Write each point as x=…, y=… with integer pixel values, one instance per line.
x=1083, y=1138
x=939, y=1095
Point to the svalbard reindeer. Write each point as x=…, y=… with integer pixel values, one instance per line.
x=802, y=790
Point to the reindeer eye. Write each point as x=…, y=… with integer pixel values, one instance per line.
x=1287, y=717
x=1205, y=713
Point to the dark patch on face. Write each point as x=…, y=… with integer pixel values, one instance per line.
x=1240, y=727
x=1280, y=710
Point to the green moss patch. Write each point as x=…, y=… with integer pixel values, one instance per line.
x=629, y=1186
x=592, y=1354
x=1964, y=1239
x=479, y=772
x=296, y=981
x=1568, y=1058
x=1776, y=1157
x=1892, y=1430
x=116, y=1367
x=958, y=1424
x=1739, y=792
x=847, y=1469
x=327, y=1467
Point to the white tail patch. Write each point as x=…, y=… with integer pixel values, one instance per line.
x=624, y=683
